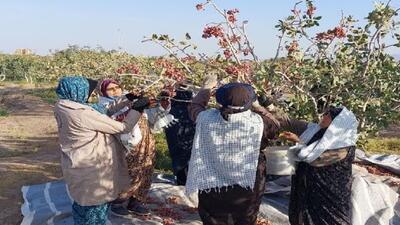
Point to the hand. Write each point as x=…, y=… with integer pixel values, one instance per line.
x=289, y=136
x=256, y=104
x=141, y=103
x=210, y=81
x=263, y=100
x=132, y=96
x=165, y=103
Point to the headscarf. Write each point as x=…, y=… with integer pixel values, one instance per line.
x=77, y=89
x=235, y=98
x=333, y=113
x=104, y=84
x=341, y=133
x=182, y=96
x=92, y=85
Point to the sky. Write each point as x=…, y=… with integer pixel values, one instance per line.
x=42, y=25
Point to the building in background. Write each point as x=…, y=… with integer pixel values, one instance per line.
x=23, y=51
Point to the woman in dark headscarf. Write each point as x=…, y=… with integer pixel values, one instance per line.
x=226, y=167
x=321, y=187
x=180, y=134
x=92, y=159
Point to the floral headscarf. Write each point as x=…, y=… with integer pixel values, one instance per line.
x=76, y=89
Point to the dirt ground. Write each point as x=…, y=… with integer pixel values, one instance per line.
x=28, y=148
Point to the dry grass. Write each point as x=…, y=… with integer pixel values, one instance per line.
x=383, y=146
x=15, y=175
x=46, y=94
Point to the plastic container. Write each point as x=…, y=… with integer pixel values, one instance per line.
x=280, y=160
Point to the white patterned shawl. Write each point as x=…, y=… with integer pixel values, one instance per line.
x=224, y=152
x=341, y=133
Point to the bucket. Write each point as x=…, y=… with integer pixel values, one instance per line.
x=280, y=160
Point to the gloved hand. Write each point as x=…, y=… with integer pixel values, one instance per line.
x=210, y=81
x=141, y=104
x=263, y=100
x=132, y=96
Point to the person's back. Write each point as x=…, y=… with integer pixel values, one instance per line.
x=90, y=158
x=229, y=148
x=180, y=135
x=227, y=168
x=78, y=139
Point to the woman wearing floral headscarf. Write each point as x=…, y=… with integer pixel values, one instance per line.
x=91, y=158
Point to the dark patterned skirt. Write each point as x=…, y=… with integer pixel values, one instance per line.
x=322, y=195
x=235, y=205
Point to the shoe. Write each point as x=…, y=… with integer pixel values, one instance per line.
x=120, y=211
x=138, y=208
x=181, y=177
x=119, y=201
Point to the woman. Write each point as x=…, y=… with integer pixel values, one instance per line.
x=92, y=159
x=321, y=187
x=226, y=167
x=180, y=134
x=141, y=158
x=110, y=90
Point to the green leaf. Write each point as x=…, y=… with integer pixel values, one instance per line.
x=291, y=18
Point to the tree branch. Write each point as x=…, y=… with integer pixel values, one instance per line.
x=313, y=99
x=172, y=53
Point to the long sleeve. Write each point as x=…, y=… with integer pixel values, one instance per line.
x=295, y=126
x=271, y=124
x=199, y=103
x=99, y=122
x=117, y=105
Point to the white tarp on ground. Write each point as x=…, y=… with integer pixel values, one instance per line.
x=50, y=203
x=374, y=203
